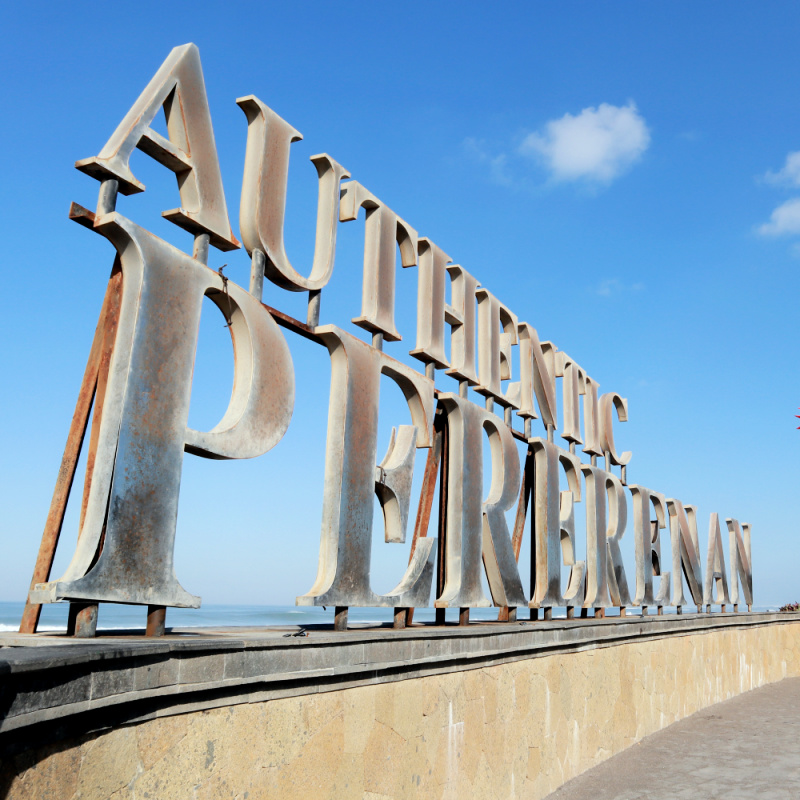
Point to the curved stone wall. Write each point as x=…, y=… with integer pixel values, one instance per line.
x=514, y=728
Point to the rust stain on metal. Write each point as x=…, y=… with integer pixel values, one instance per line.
x=69, y=463
x=428, y=491
x=138, y=378
x=156, y=620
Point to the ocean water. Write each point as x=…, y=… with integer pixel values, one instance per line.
x=119, y=617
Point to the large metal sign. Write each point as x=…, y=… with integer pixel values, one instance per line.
x=139, y=378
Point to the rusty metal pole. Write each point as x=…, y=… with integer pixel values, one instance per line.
x=201, y=244
x=428, y=488
x=510, y=614
x=340, y=618
x=314, y=303
x=82, y=620
x=156, y=620
x=257, y=274
x=66, y=472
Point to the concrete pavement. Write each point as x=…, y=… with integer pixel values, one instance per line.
x=744, y=748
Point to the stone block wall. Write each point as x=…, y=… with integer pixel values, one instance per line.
x=513, y=730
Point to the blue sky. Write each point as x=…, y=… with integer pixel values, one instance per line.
x=620, y=174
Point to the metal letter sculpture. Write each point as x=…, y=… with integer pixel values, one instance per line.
x=139, y=377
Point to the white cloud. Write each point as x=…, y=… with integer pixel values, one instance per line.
x=597, y=145
x=789, y=174
x=784, y=220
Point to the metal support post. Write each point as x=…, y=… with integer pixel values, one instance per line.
x=82, y=620
x=340, y=618
x=156, y=620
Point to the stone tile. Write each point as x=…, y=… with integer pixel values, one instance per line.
x=313, y=773
x=234, y=665
x=384, y=762
x=521, y=727
x=112, y=681
x=155, y=674
x=202, y=669
x=156, y=739
x=358, y=708
x=50, y=774
x=59, y=688
x=109, y=764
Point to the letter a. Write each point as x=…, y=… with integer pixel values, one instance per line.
x=190, y=151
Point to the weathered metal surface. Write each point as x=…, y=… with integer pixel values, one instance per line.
x=597, y=594
x=144, y=428
x=536, y=380
x=110, y=323
x=462, y=315
x=648, y=546
x=82, y=620
x=425, y=506
x=685, y=552
x=346, y=541
x=716, y=577
x=190, y=151
x=393, y=478
x=340, y=618
x=497, y=334
x=140, y=369
x=156, y=621
x=554, y=526
x=606, y=403
x=89, y=613
x=740, y=549
x=476, y=529
x=505, y=614
x=432, y=310
x=69, y=461
x=383, y=231
x=263, y=205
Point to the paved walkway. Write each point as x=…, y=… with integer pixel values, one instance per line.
x=741, y=749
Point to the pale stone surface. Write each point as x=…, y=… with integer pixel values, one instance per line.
x=742, y=748
x=517, y=730
x=159, y=737
x=50, y=774
x=109, y=763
